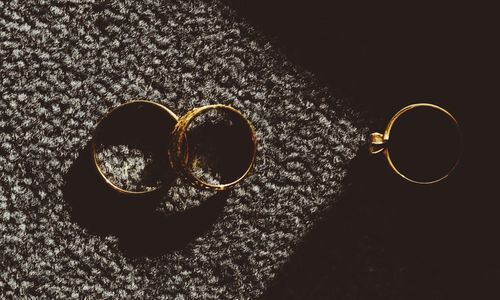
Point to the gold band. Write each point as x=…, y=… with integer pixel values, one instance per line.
x=139, y=103
x=179, y=150
x=379, y=142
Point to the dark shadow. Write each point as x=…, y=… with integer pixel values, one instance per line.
x=142, y=231
x=389, y=239
x=385, y=238
x=381, y=57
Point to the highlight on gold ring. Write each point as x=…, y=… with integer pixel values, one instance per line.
x=422, y=143
x=213, y=147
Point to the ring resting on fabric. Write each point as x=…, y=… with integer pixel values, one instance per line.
x=120, y=130
x=181, y=152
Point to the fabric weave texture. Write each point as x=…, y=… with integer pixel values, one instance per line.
x=64, y=64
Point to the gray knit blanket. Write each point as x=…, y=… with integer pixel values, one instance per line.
x=64, y=64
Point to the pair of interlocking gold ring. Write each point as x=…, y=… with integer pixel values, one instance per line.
x=179, y=149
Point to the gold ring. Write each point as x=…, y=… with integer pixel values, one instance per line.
x=124, y=123
x=182, y=151
x=382, y=142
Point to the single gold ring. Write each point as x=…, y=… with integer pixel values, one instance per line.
x=139, y=124
x=429, y=140
x=233, y=140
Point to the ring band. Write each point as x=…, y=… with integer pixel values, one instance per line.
x=180, y=153
x=380, y=142
x=138, y=104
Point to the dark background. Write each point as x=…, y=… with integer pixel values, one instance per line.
x=388, y=239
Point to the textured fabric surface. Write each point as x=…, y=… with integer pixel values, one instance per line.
x=64, y=64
